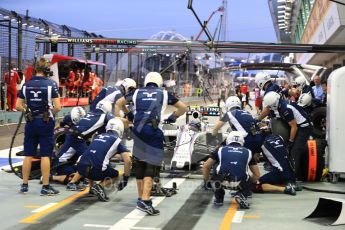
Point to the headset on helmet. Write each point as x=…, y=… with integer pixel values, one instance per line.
x=233, y=102
x=304, y=100
x=115, y=124
x=128, y=84
x=154, y=77
x=77, y=113
x=299, y=82
x=105, y=106
x=271, y=100
x=261, y=79
x=235, y=137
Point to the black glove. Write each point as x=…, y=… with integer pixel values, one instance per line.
x=214, y=141
x=130, y=116
x=289, y=145
x=207, y=186
x=171, y=119
x=123, y=183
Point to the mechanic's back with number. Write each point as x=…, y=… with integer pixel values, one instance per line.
x=149, y=103
x=101, y=150
x=233, y=159
x=110, y=93
x=38, y=94
x=95, y=121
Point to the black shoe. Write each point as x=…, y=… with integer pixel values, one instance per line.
x=218, y=202
x=49, y=191
x=242, y=201
x=74, y=187
x=289, y=189
x=146, y=206
x=98, y=190
x=297, y=186
x=24, y=188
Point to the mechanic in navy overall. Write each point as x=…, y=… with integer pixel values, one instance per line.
x=232, y=166
x=72, y=148
x=113, y=93
x=149, y=103
x=94, y=121
x=300, y=129
x=242, y=121
x=279, y=167
x=94, y=164
x=264, y=82
x=40, y=100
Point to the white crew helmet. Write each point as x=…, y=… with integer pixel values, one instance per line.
x=105, y=106
x=235, y=137
x=118, y=83
x=115, y=124
x=77, y=113
x=261, y=79
x=153, y=77
x=128, y=83
x=299, y=82
x=304, y=100
x=233, y=102
x=271, y=100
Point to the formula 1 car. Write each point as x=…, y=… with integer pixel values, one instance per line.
x=191, y=143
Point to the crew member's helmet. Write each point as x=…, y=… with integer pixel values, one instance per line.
x=195, y=125
x=115, y=124
x=233, y=102
x=77, y=113
x=261, y=79
x=118, y=83
x=235, y=137
x=155, y=78
x=128, y=84
x=271, y=100
x=299, y=83
x=105, y=106
x=304, y=100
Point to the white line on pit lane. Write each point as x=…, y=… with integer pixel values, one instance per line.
x=96, y=226
x=132, y=218
x=146, y=228
x=44, y=207
x=238, y=217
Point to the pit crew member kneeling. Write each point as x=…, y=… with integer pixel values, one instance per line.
x=94, y=163
x=71, y=150
x=279, y=167
x=300, y=129
x=244, y=122
x=233, y=160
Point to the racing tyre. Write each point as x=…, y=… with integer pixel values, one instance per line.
x=318, y=117
x=59, y=138
x=315, y=160
x=281, y=128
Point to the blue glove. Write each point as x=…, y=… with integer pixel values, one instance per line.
x=130, y=116
x=171, y=119
x=123, y=183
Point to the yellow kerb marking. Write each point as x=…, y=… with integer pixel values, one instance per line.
x=229, y=216
x=33, y=218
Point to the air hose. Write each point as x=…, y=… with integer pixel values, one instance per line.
x=15, y=170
